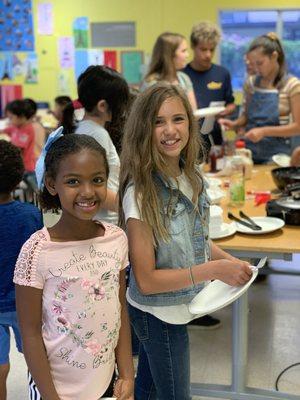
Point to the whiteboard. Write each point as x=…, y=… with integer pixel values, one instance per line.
x=113, y=34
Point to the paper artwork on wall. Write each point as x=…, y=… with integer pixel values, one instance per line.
x=6, y=66
x=31, y=68
x=80, y=32
x=110, y=58
x=16, y=27
x=9, y=93
x=66, y=52
x=45, y=19
x=131, y=66
x=81, y=61
x=21, y=64
x=85, y=58
x=63, y=84
x=18, y=64
x=95, y=57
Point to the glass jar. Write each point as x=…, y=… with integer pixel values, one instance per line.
x=216, y=158
x=237, y=182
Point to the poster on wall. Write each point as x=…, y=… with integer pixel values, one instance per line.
x=80, y=32
x=31, y=68
x=81, y=61
x=45, y=19
x=63, y=84
x=9, y=93
x=16, y=26
x=18, y=64
x=96, y=57
x=85, y=58
x=6, y=66
x=66, y=52
x=131, y=66
x=110, y=58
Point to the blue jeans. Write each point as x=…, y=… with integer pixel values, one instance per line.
x=164, y=359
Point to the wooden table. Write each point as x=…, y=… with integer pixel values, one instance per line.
x=280, y=244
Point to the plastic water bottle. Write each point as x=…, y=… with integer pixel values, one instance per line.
x=237, y=182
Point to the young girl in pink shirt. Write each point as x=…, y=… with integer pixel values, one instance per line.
x=71, y=281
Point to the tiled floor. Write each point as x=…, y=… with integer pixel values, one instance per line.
x=274, y=341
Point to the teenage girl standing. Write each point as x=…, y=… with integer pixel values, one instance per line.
x=169, y=57
x=70, y=281
x=165, y=210
x=271, y=102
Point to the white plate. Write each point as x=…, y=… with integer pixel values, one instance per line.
x=226, y=230
x=281, y=159
x=216, y=295
x=268, y=224
x=208, y=111
x=177, y=315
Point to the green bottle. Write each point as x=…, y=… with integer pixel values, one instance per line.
x=237, y=182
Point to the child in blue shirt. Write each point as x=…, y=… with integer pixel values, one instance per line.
x=211, y=82
x=18, y=222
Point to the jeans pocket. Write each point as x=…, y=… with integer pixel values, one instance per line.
x=139, y=321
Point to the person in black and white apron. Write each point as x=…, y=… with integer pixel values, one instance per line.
x=271, y=112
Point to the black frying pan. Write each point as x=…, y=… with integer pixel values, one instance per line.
x=285, y=176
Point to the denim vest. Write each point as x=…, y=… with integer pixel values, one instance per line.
x=188, y=244
x=263, y=110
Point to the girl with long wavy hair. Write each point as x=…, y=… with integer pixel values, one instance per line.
x=165, y=210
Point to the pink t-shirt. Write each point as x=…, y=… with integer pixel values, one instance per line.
x=23, y=137
x=81, y=308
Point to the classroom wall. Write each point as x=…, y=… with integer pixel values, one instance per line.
x=152, y=18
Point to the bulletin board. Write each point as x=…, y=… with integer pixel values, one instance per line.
x=16, y=26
